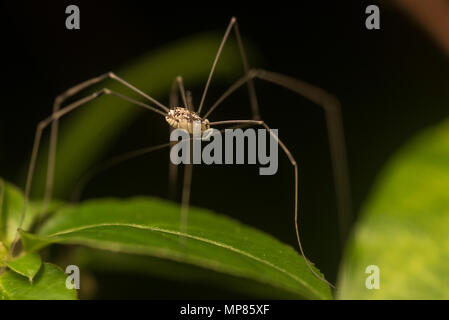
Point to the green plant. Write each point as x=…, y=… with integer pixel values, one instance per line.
x=402, y=226
x=145, y=228
x=150, y=227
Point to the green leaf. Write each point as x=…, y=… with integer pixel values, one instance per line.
x=3, y=253
x=49, y=284
x=121, y=264
x=11, y=205
x=151, y=227
x=27, y=265
x=84, y=138
x=403, y=227
x=11, y=211
x=32, y=242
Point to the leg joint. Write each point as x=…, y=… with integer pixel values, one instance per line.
x=41, y=125
x=254, y=73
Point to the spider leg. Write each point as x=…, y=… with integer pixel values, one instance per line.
x=295, y=167
x=183, y=93
x=331, y=107
x=189, y=99
x=37, y=140
x=77, y=192
x=54, y=127
x=185, y=200
x=250, y=83
x=178, y=84
x=172, y=168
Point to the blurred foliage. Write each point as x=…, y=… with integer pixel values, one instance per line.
x=403, y=227
x=28, y=265
x=146, y=226
x=49, y=284
x=92, y=129
x=11, y=204
x=11, y=200
x=163, y=274
x=3, y=252
x=143, y=236
x=26, y=277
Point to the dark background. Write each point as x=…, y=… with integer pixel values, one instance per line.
x=391, y=83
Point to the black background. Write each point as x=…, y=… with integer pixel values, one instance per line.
x=391, y=83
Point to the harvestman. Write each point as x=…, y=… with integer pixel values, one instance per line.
x=182, y=117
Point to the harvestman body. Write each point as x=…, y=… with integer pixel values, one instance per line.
x=183, y=117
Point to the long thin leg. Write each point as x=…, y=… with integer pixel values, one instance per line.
x=173, y=100
x=54, y=129
x=185, y=200
x=172, y=168
x=187, y=181
x=331, y=107
x=37, y=139
x=77, y=192
x=251, y=89
x=183, y=93
x=189, y=99
x=108, y=164
x=295, y=166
